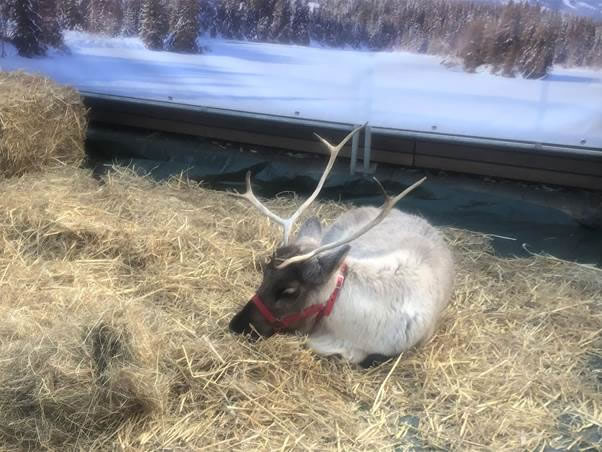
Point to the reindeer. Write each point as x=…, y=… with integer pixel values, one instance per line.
x=371, y=286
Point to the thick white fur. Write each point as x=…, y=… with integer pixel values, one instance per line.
x=400, y=279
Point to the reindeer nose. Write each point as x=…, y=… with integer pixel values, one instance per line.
x=241, y=322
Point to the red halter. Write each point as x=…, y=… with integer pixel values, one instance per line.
x=322, y=310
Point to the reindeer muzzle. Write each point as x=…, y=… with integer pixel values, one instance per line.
x=320, y=310
x=289, y=320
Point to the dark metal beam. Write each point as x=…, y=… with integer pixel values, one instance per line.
x=571, y=166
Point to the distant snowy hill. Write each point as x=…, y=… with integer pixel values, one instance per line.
x=592, y=8
x=589, y=8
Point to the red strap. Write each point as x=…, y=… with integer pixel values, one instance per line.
x=265, y=312
x=320, y=309
x=335, y=293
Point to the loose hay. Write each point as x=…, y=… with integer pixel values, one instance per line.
x=42, y=124
x=115, y=297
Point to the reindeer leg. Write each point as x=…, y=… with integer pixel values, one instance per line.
x=327, y=345
x=374, y=359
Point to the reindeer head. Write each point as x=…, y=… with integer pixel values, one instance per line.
x=302, y=278
x=290, y=297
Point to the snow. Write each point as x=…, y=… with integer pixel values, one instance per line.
x=568, y=3
x=388, y=89
x=585, y=5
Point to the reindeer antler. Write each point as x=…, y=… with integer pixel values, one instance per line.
x=287, y=223
x=384, y=211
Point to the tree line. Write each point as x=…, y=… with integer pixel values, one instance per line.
x=514, y=38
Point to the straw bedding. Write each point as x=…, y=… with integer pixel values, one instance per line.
x=115, y=296
x=42, y=124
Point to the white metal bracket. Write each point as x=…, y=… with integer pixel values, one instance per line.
x=367, y=168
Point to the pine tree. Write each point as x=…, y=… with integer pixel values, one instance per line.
x=51, y=29
x=539, y=53
x=375, y=35
x=259, y=14
x=357, y=34
x=183, y=37
x=585, y=43
x=74, y=18
x=262, y=30
x=505, y=43
x=106, y=16
x=163, y=20
x=510, y=59
x=6, y=13
x=115, y=14
x=317, y=25
x=209, y=17
x=95, y=24
x=221, y=13
x=28, y=33
x=473, y=53
x=300, y=24
x=573, y=35
x=561, y=54
x=84, y=8
x=234, y=19
x=150, y=24
x=526, y=51
x=173, y=15
x=252, y=14
x=331, y=31
x=594, y=56
x=131, y=17
x=280, y=29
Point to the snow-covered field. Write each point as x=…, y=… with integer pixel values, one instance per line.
x=398, y=90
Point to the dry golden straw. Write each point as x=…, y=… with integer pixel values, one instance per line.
x=42, y=124
x=115, y=296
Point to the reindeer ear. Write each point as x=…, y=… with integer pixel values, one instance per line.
x=332, y=260
x=318, y=269
x=311, y=229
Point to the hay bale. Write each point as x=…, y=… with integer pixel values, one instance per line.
x=115, y=297
x=42, y=124
x=85, y=375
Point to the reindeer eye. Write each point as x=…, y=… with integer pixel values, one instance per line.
x=288, y=291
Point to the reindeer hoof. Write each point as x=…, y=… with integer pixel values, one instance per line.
x=373, y=360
